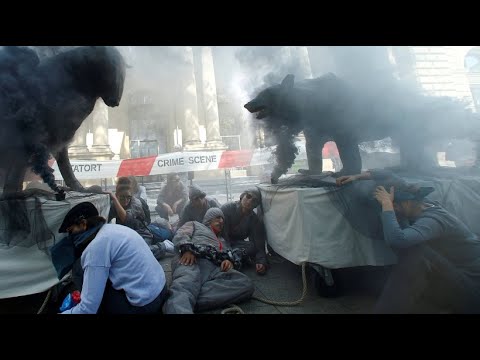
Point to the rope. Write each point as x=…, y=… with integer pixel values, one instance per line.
x=287, y=303
x=233, y=309
x=45, y=302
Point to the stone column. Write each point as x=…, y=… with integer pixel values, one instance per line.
x=78, y=149
x=460, y=77
x=285, y=54
x=301, y=52
x=212, y=121
x=100, y=148
x=190, y=109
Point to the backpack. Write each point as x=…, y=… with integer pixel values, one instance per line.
x=160, y=233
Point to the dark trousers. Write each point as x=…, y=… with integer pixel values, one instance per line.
x=115, y=301
x=255, y=252
x=422, y=273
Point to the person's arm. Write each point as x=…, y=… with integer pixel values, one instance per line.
x=112, y=213
x=175, y=205
x=342, y=180
x=94, y=281
x=423, y=230
x=161, y=196
x=183, y=240
x=184, y=216
x=121, y=213
x=184, y=234
x=135, y=217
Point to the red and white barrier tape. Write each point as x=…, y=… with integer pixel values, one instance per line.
x=173, y=162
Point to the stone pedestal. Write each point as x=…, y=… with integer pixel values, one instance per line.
x=100, y=149
x=78, y=149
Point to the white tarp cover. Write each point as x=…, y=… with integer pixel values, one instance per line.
x=302, y=224
x=29, y=270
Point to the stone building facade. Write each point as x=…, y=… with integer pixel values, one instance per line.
x=172, y=101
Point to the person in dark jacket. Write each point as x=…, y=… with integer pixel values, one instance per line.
x=128, y=211
x=242, y=223
x=198, y=205
x=138, y=192
x=117, y=272
x=203, y=274
x=438, y=255
x=172, y=198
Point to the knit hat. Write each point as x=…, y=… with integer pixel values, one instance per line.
x=211, y=214
x=195, y=191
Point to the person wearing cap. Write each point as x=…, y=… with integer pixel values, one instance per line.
x=203, y=274
x=241, y=223
x=172, y=197
x=198, y=205
x=120, y=275
x=438, y=255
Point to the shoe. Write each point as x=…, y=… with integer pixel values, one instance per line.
x=169, y=247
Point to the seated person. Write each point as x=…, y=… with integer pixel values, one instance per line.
x=438, y=255
x=203, y=277
x=198, y=205
x=128, y=211
x=241, y=223
x=172, y=197
x=138, y=191
x=119, y=274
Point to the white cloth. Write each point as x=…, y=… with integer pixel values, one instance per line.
x=303, y=225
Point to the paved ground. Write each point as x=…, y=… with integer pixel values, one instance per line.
x=283, y=282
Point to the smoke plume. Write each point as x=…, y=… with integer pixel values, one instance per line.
x=44, y=98
x=368, y=96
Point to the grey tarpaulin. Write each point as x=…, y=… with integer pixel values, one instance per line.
x=29, y=270
x=307, y=224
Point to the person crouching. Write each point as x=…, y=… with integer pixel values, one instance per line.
x=119, y=274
